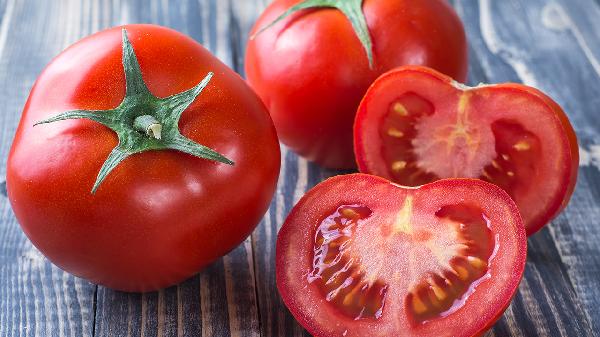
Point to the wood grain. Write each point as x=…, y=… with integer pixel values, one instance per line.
x=36, y=298
x=554, y=45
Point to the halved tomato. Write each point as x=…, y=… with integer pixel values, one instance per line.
x=416, y=125
x=361, y=256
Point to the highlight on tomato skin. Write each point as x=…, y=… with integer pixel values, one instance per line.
x=361, y=256
x=311, y=68
x=416, y=125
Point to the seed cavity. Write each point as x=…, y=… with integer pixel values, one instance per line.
x=463, y=273
x=486, y=174
x=399, y=165
x=397, y=132
x=522, y=146
x=341, y=280
x=400, y=109
x=517, y=149
x=439, y=292
x=476, y=262
x=349, y=213
x=393, y=132
x=418, y=306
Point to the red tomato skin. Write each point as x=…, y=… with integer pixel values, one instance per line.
x=311, y=70
x=351, y=189
x=160, y=216
x=569, y=143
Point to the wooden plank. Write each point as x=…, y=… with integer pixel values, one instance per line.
x=275, y=319
x=36, y=298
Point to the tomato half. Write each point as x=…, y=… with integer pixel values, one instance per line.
x=416, y=125
x=311, y=69
x=162, y=215
x=361, y=256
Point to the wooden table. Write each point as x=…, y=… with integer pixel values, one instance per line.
x=553, y=45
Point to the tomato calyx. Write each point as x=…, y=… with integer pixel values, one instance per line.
x=144, y=122
x=352, y=9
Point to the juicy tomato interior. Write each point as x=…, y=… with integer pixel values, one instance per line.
x=347, y=284
x=423, y=127
x=341, y=281
x=385, y=260
x=456, y=148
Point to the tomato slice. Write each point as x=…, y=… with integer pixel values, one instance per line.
x=361, y=256
x=416, y=125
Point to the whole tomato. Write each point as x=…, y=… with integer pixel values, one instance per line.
x=313, y=67
x=157, y=215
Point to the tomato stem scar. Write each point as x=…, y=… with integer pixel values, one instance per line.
x=148, y=125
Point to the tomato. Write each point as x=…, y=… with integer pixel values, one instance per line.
x=416, y=125
x=312, y=70
x=361, y=256
x=160, y=215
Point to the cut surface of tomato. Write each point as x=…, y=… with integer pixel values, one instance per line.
x=416, y=125
x=361, y=256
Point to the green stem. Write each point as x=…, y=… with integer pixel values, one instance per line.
x=148, y=125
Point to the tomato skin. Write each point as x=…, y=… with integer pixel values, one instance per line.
x=562, y=161
x=481, y=309
x=160, y=216
x=311, y=70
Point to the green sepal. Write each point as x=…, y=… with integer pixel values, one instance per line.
x=352, y=9
x=140, y=106
x=100, y=116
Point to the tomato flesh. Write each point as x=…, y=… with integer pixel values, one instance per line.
x=361, y=256
x=416, y=126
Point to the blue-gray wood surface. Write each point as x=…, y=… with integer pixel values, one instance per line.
x=551, y=44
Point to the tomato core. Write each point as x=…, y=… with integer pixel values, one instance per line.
x=422, y=146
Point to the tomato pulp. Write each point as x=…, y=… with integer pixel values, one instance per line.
x=416, y=125
x=161, y=215
x=311, y=69
x=361, y=256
